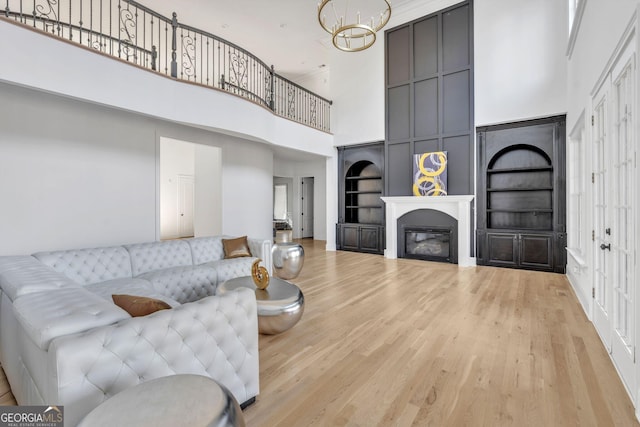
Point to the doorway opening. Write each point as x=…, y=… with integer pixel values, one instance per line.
x=190, y=189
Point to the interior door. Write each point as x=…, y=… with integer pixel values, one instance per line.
x=307, y=207
x=185, y=205
x=623, y=217
x=599, y=177
x=615, y=178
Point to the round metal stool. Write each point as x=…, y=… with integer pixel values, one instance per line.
x=176, y=400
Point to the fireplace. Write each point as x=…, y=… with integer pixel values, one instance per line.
x=429, y=235
x=429, y=244
x=457, y=207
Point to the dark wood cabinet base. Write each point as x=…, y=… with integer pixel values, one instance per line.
x=360, y=238
x=519, y=249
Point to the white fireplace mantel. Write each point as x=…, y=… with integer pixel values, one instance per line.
x=459, y=207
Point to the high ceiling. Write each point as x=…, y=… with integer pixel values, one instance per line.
x=283, y=33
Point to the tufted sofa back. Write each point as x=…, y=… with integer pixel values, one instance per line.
x=86, y=266
x=206, y=249
x=154, y=256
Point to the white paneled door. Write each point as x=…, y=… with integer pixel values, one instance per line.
x=615, y=178
x=601, y=274
x=186, y=197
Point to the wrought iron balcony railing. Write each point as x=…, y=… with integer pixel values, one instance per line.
x=132, y=32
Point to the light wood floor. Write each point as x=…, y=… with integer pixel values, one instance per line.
x=405, y=342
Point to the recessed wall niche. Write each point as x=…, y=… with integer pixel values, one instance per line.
x=361, y=211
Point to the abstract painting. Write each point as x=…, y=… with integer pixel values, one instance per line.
x=430, y=174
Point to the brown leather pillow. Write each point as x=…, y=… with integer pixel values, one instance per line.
x=236, y=248
x=139, y=306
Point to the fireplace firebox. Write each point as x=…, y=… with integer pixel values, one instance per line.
x=429, y=244
x=429, y=235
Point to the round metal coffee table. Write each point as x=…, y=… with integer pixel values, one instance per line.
x=280, y=306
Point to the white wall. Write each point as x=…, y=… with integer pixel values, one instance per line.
x=331, y=169
x=75, y=175
x=69, y=177
x=357, y=91
x=520, y=62
x=317, y=81
x=247, y=188
x=208, y=191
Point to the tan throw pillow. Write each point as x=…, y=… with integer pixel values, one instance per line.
x=139, y=306
x=236, y=248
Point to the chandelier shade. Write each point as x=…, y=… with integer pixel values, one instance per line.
x=349, y=32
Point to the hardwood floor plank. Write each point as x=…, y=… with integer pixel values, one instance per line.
x=413, y=343
x=406, y=342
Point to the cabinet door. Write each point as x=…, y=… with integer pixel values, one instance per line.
x=349, y=236
x=502, y=249
x=536, y=251
x=370, y=239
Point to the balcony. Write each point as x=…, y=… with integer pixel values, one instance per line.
x=133, y=33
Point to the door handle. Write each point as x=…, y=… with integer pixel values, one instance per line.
x=603, y=247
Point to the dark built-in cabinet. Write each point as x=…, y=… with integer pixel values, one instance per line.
x=360, y=185
x=521, y=195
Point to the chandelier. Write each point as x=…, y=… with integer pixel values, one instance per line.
x=351, y=33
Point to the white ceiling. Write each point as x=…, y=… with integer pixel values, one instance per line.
x=283, y=33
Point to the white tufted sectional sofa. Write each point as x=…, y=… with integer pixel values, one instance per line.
x=64, y=342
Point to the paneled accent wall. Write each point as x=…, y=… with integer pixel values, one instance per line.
x=429, y=97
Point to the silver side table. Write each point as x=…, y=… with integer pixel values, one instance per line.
x=280, y=306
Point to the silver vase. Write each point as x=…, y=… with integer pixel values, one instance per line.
x=288, y=258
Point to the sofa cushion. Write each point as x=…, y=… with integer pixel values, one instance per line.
x=21, y=275
x=236, y=248
x=137, y=305
x=206, y=249
x=86, y=266
x=146, y=257
x=50, y=314
x=184, y=284
x=129, y=286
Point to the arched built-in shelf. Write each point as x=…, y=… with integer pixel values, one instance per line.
x=521, y=195
x=361, y=210
x=363, y=188
x=519, y=190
